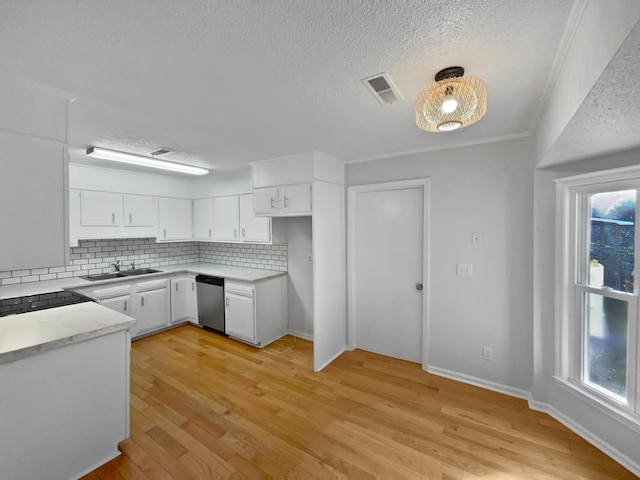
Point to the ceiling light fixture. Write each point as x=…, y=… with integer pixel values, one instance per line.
x=452, y=102
x=132, y=159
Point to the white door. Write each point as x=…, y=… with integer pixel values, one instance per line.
x=252, y=228
x=152, y=310
x=387, y=270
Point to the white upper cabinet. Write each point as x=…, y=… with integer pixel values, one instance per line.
x=234, y=220
x=265, y=201
x=295, y=199
x=203, y=219
x=290, y=200
x=252, y=228
x=140, y=211
x=100, y=209
x=226, y=219
x=33, y=219
x=111, y=215
x=175, y=219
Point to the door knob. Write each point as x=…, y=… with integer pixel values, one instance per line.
x=418, y=286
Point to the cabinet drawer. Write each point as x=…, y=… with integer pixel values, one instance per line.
x=151, y=285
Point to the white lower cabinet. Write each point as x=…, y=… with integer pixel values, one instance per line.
x=256, y=312
x=147, y=302
x=152, y=309
x=184, y=304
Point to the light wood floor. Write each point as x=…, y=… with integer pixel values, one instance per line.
x=204, y=406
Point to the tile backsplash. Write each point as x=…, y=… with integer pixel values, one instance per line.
x=96, y=256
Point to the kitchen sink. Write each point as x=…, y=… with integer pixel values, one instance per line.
x=104, y=276
x=139, y=271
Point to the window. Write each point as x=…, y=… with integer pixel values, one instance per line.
x=598, y=335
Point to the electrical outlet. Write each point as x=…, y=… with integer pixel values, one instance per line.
x=309, y=259
x=487, y=353
x=464, y=270
x=476, y=238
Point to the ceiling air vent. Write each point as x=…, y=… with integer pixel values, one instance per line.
x=160, y=151
x=382, y=88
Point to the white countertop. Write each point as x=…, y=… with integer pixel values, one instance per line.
x=30, y=333
x=227, y=271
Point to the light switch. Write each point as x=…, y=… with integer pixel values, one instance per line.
x=464, y=270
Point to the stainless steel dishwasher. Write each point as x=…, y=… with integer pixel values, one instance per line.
x=211, y=302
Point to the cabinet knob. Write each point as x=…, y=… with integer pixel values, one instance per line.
x=130, y=219
x=125, y=305
x=273, y=201
x=209, y=233
x=418, y=286
x=142, y=301
x=286, y=200
x=165, y=233
x=243, y=233
x=227, y=301
x=113, y=218
x=235, y=233
x=193, y=286
x=176, y=286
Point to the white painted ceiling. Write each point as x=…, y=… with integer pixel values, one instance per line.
x=608, y=119
x=229, y=82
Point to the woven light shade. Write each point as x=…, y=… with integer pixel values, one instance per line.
x=451, y=103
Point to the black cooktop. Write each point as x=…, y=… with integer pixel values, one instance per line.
x=31, y=303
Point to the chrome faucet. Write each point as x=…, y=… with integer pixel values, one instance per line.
x=133, y=265
x=116, y=265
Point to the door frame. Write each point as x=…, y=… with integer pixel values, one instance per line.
x=425, y=184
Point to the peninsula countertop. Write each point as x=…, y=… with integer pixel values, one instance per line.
x=27, y=334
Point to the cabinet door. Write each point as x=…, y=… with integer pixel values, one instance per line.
x=265, y=201
x=121, y=304
x=100, y=209
x=140, y=211
x=152, y=310
x=239, y=317
x=175, y=219
x=203, y=219
x=226, y=219
x=252, y=228
x=295, y=199
x=180, y=297
x=192, y=302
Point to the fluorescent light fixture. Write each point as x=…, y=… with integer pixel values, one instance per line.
x=132, y=159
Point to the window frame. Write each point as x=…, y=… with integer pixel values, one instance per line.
x=572, y=240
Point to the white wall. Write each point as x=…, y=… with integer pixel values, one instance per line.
x=224, y=184
x=298, y=239
x=89, y=177
x=488, y=189
x=601, y=429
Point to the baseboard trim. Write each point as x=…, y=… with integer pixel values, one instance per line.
x=299, y=334
x=589, y=436
x=575, y=427
x=98, y=464
x=479, y=382
x=330, y=360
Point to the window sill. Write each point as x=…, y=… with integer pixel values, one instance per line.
x=625, y=417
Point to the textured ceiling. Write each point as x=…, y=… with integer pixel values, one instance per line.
x=609, y=118
x=230, y=82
